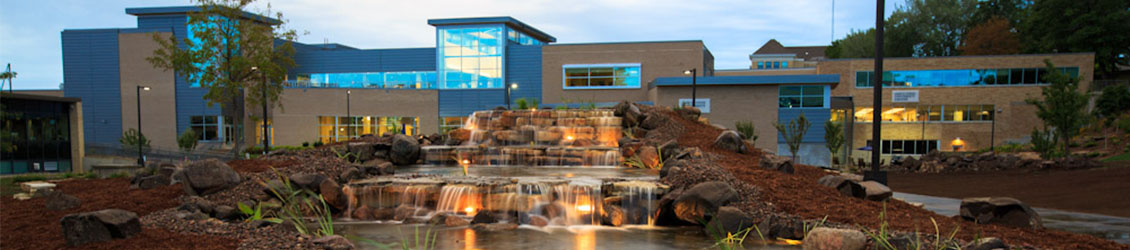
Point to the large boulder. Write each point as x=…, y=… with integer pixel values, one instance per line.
x=332, y=193
x=612, y=215
x=99, y=226
x=377, y=167
x=208, y=177
x=669, y=149
x=701, y=202
x=776, y=162
x=405, y=150
x=823, y=238
x=654, y=120
x=484, y=217
x=333, y=242
x=630, y=113
x=846, y=186
x=988, y=243
x=649, y=156
x=689, y=113
x=728, y=220
x=350, y=174
x=875, y=191
x=152, y=181
x=1000, y=210
x=58, y=201
x=308, y=181
x=362, y=151
x=730, y=140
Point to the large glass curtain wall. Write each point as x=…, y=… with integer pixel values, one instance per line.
x=379, y=80
x=211, y=128
x=35, y=137
x=521, y=38
x=960, y=77
x=932, y=113
x=340, y=128
x=470, y=57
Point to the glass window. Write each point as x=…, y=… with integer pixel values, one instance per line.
x=907, y=147
x=210, y=128
x=784, y=65
x=801, y=97
x=760, y=65
x=379, y=80
x=601, y=76
x=933, y=113
x=342, y=128
x=959, y=77
x=776, y=65
x=448, y=123
x=703, y=104
x=471, y=57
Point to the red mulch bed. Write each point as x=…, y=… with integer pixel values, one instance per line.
x=29, y=225
x=800, y=194
x=259, y=165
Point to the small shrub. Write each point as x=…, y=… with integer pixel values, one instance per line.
x=522, y=104
x=305, y=144
x=118, y=175
x=1123, y=124
x=90, y=175
x=131, y=138
x=187, y=141
x=747, y=130
x=29, y=177
x=318, y=144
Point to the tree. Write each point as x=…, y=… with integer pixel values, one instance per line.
x=1012, y=10
x=187, y=140
x=993, y=37
x=131, y=138
x=1114, y=100
x=940, y=24
x=235, y=56
x=1062, y=106
x=834, y=138
x=8, y=76
x=1099, y=26
x=794, y=133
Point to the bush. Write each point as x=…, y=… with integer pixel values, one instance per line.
x=747, y=130
x=318, y=144
x=1043, y=143
x=131, y=138
x=1123, y=124
x=187, y=140
x=29, y=177
x=1113, y=101
x=305, y=144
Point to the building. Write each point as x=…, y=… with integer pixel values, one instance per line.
x=338, y=91
x=40, y=133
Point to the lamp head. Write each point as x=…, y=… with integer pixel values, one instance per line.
x=514, y=85
x=254, y=68
x=146, y=88
x=687, y=72
x=349, y=91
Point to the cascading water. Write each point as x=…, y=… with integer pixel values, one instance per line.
x=535, y=138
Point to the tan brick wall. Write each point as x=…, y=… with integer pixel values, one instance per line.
x=158, y=105
x=297, y=120
x=1015, y=122
x=656, y=59
x=730, y=104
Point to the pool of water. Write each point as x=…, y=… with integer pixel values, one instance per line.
x=1108, y=227
x=529, y=237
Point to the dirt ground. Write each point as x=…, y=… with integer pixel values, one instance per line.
x=1100, y=191
x=29, y=225
x=801, y=195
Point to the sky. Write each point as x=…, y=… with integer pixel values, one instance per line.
x=731, y=29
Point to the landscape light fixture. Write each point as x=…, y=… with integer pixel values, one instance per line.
x=511, y=87
x=694, y=85
x=140, y=153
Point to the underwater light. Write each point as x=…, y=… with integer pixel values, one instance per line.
x=466, y=161
x=469, y=210
x=584, y=208
x=569, y=137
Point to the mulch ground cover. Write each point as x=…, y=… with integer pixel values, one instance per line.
x=799, y=194
x=30, y=225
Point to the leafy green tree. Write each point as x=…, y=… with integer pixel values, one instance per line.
x=940, y=24
x=1113, y=101
x=235, y=56
x=1012, y=10
x=794, y=133
x=834, y=138
x=992, y=37
x=1062, y=106
x=7, y=76
x=131, y=138
x=1099, y=26
x=187, y=140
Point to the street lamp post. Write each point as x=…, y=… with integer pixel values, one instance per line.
x=508, y=89
x=993, y=133
x=694, y=85
x=877, y=97
x=140, y=153
x=263, y=87
x=348, y=117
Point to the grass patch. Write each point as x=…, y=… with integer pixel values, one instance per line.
x=1118, y=158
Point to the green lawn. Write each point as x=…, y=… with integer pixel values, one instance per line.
x=1121, y=157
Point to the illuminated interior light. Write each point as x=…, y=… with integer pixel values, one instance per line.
x=584, y=208
x=863, y=111
x=469, y=210
x=892, y=111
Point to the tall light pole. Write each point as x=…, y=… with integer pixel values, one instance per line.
x=993, y=134
x=263, y=87
x=348, y=117
x=694, y=85
x=508, y=89
x=877, y=96
x=140, y=136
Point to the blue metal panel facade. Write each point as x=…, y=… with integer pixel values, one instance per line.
x=523, y=67
x=462, y=102
x=190, y=101
x=91, y=72
x=816, y=116
x=311, y=59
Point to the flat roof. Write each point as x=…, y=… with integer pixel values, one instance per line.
x=143, y=11
x=508, y=21
x=749, y=80
x=959, y=57
x=40, y=97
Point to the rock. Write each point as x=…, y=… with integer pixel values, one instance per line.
x=875, y=191
x=333, y=242
x=671, y=166
x=551, y=210
x=649, y=156
x=728, y=220
x=403, y=212
x=689, y=113
x=911, y=164
x=730, y=140
x=1000, y=210
x=363, y=213
x=152, y=181
x=846, y=187
x=669, y=149
x=308, y=181
x=778, y=227
x=273, y=186
x=384, y=214
x=350, y=174
x=259, y=223
x=167, y=171
x=378, y=167
x=630, y=113
x=612, y=215
x=703, y=200
x=195, y=205
x=438, y=219
x=225, y=212
x=405, y=150
x=932, y=167
x=989, y=243
x=538, y=221
x=58, y=201
x=99, y=226
x=331, y=192
x=495, y=227
x=484, y=217
x=361, y=151
x=823, y=238
x=689, y=153
x=208, y=177
x=455, y=221
x=776, y=162
x=654, y=120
